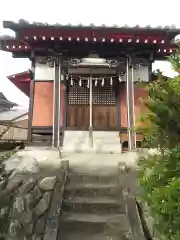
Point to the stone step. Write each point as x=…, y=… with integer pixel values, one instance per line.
x=85, y=141
x=91, y=190
x=103, y=142
x=103, y=149
x=95, y=204
x=106, y=140
x=93, y=208
x=84, y=178
x=105, y=134
x=84, y=236
x=86, y=148
x=94, y=218
x=40, y=144
x=109, y=148
x=92, y=223
x=96, y=134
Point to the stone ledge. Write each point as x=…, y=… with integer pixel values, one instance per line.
x=52, y=222
x=126, y=177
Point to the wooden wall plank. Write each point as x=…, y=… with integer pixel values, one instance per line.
x=43, y=104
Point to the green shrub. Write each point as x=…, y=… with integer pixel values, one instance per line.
x=162, y=117
x=160, y=179
x=160, y=173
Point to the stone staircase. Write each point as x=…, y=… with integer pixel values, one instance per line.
x=93, y=208
x=103, y=142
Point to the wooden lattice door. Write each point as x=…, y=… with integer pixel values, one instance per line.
x=78, y=106
x=103, y=106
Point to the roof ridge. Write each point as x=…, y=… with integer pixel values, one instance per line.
x=23, y=22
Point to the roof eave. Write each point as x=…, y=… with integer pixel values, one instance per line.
x=17, y=75
x=10, y=25
x=171, y=31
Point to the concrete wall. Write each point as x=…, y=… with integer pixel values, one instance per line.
x=140, y=74
x=43, y=72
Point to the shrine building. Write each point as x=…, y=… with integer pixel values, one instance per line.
x=84, y=79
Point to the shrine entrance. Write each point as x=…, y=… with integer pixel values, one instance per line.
x=84, y=105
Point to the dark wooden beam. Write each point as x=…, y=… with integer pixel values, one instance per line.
x=107, y=55
x=21, y=54
x=82, y=46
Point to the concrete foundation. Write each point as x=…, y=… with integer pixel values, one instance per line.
x=103, y=142
x=92, y=163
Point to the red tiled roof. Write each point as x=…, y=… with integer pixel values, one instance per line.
x=21, y=81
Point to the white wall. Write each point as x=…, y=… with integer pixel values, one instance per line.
x=141, y=73
x=43, y=72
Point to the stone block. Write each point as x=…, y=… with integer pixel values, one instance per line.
x=47, y=183
x=44, y=204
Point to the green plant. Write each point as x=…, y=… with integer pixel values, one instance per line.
x=163, y=113
x=160, y=173
x=160, y=180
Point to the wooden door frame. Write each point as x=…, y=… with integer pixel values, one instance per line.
x=117, y=104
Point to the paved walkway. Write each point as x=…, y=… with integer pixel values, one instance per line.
x=85, y=162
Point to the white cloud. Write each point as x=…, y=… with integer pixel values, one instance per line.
x=80, y=11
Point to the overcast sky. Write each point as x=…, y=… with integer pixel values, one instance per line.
x=141, y=12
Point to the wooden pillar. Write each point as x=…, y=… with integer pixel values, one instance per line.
x=133, y=110
x=90, y=113
x=59, y=108
x=130, y=105
x=56, y=107
x=31, y=100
